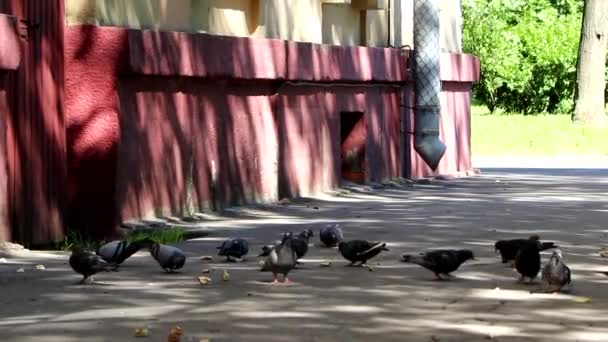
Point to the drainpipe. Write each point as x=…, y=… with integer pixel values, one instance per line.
x=428, y=83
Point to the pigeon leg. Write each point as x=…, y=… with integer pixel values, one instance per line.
x=286, y=280
x=82, y=281
x=438, y=276
x=520, y=280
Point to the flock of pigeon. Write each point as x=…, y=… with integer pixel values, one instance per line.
x=281, y=257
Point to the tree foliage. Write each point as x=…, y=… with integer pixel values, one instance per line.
x=528, y=51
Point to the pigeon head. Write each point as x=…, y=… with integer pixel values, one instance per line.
x=499, y=245
x=466, y=254
x=342, y=246
x=223, y=248
x=306, y=234
x=557, y=254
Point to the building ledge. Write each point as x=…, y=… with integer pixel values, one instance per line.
x=203, y=55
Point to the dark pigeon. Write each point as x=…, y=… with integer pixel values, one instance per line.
x=508, y=248
x=527, y=260
x=300, y=243
x=360, y=250
x=556, y=274
x=331, y=235
x=169, y=258
x=442, y=261
x=88, y=264
x=118, y=251
x=234, y=248
x=281, y=259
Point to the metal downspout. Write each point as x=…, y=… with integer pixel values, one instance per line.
x=427, y=53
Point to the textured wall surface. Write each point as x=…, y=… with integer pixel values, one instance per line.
x=186, y=129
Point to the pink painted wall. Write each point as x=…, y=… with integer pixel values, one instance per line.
x=219, y=136
x=145, y=137
x=94, y=61
x=5, y=228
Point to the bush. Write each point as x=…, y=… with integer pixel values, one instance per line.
x=528, y=52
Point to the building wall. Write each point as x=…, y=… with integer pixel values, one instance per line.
x=338, y=22
x=172, y=133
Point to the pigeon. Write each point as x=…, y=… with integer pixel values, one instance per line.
x=527, y=260
x=88, y=264
x=118, y=251
x=441, y=261
x=556, y=274
x=360, y=250
x=300, y=243
x=169, y=258
x=331, y=235
x=234, y=248
x=281, y=259
x=508, y=248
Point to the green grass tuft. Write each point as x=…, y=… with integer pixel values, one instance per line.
x=533, y=135
x=164, y=236
x=76, y=239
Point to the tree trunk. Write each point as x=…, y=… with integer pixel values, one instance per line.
x=589, y=100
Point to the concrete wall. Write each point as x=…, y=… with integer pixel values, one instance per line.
x=337, y=22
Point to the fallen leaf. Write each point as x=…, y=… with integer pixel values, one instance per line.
x=206, y=257
x=325, y=264
x=141, y=332
x=582, y=299
x=371, y=269
x=204, y=280
x=3, y=261
x=206, y=271
x=40, y=267
x=604, y=254
x=21, y=270
x=226, y=276
x=175, y=334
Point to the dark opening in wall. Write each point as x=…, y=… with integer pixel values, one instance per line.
x=353, y=136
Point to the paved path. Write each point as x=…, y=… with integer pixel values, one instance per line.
x=396, y=302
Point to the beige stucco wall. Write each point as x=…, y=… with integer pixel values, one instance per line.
x=341, y=25
x=338, y=22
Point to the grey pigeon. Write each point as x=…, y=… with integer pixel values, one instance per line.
x=441, y=261
x=118, y=251
x=281, y=259
x=88, y=264
x=234, y=248
x=169, y=258
x=300, y=243
x=527, y=260
x=508, y=248
x=556, y=274
x=331, y=235
x=360, y=250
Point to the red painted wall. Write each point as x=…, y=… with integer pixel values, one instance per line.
x=35, y=130
x=95, y=59
x=144, y=138
x=5, y=228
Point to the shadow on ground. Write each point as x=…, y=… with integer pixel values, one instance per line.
x=395, y=302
